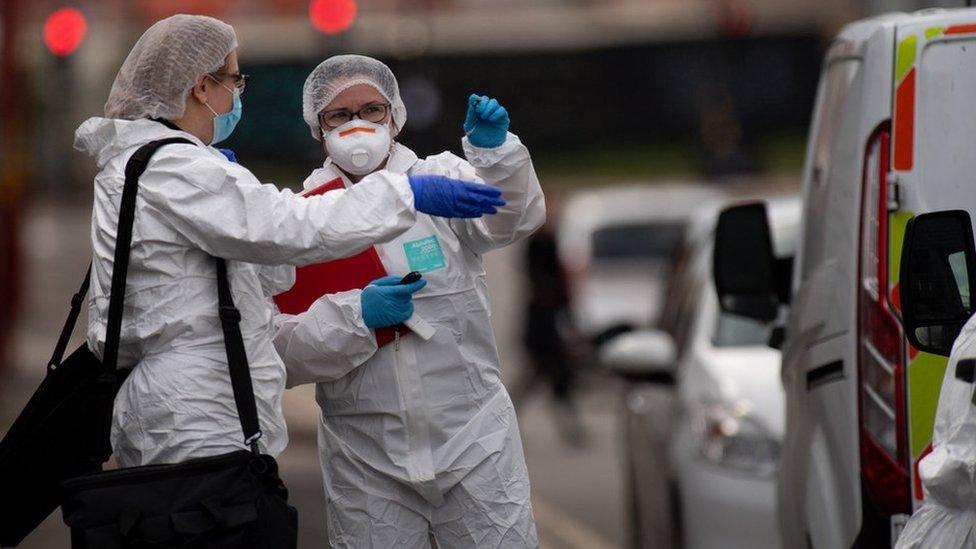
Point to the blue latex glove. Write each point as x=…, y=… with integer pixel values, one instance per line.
x=446, y=197
x=486, y=123
x=229, y=154
x=386, y=302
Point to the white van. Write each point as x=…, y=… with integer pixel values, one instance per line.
x=893, y=136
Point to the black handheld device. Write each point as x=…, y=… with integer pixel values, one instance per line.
x=410, y=278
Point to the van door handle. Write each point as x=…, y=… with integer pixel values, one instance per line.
x=822, y=375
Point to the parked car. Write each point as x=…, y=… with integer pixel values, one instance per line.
x=707, y=451
x=618, y=244
x=891, y=138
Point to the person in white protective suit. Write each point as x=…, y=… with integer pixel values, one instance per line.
x=418, y=438
x=182, y=79
x=947, y=517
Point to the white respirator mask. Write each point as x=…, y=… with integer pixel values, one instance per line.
x=358, y=146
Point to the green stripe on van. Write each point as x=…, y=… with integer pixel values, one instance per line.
x=924, y=384
x=934, y=32
x=906, y=57
x=897, y=223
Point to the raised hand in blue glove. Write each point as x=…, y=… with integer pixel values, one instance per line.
x=486, y=123
x=229, y=154
x=446, y=197
x=386, y=302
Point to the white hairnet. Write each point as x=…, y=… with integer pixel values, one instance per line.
x=165, y=64
x=341, y=72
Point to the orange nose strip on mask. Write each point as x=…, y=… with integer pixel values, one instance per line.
x=351, y=131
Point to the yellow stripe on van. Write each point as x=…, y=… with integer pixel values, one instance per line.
x=907, y=49
x=934, y=32
x=925, y=370
x=897, y=222
x=925, y=374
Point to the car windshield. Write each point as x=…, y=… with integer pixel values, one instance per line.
x=638, y=241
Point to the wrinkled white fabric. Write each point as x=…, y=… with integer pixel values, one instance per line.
x=193, y=204
x=341, y=72
x=947, y=518
x=424, y=437
x=164, y=65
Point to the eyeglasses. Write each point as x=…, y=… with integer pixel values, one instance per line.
x=374, y=112
x=240, y=80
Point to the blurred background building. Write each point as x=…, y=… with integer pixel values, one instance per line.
x=601, y=88
x=602, y=92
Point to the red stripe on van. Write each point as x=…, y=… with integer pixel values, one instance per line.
x=961, y=29
x=919, y=493
x=905, y=123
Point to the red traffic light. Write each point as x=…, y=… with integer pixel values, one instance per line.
x=735, y=17
x=332, y=16
x=64, y=30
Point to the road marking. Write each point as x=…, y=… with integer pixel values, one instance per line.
x=571, y=532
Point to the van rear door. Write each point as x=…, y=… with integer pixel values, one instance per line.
x=933, y=158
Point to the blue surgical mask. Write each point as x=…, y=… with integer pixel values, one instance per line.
x=224, y=124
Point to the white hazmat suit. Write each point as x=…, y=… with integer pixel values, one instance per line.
x=947, y=518
x=193, y=204
x=421, y=438
x=424, y=436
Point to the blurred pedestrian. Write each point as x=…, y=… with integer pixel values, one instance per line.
x=548, y=325
x=417, y=438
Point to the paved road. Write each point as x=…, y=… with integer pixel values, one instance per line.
x=577, y=495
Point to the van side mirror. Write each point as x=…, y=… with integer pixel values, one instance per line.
x=744, y=267
x=938, y=270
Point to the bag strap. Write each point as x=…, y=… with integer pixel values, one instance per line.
x=69, y=323
x=240, y=371
x=133, y=169
x=123, y=243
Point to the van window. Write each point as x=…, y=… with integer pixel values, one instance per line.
x=837, y=82
x=834, y=88
x=945, y=125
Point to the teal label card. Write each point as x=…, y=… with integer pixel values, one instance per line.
x=425, y=255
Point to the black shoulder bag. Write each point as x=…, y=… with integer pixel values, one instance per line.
x=62, y=432
x=229, y=501
x=64, y=429
x=235, y=500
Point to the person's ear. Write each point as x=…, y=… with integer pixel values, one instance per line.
x=199, y=90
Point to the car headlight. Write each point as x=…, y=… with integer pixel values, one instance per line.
x=733, y=439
